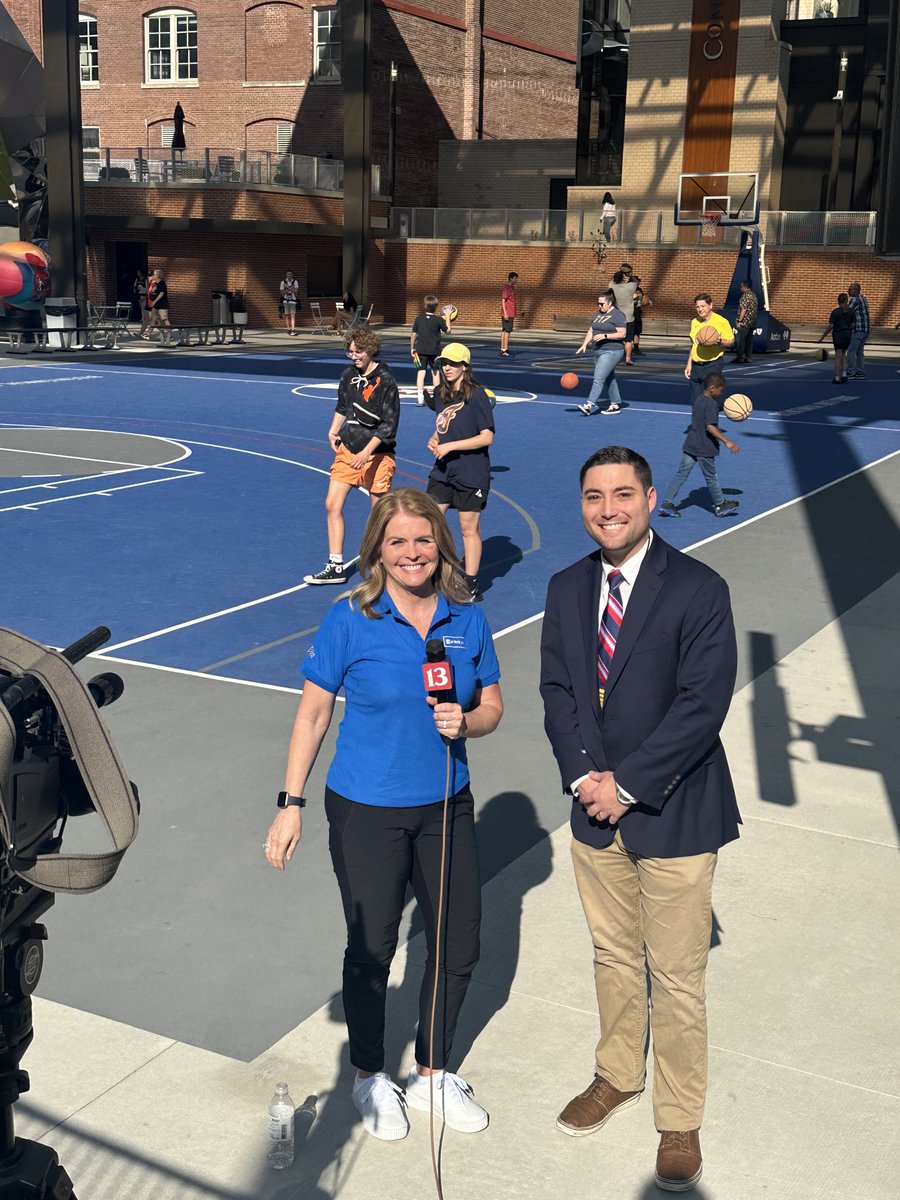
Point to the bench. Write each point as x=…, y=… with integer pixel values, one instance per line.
x=77, y=337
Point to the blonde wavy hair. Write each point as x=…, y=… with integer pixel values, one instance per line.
x=448, y=577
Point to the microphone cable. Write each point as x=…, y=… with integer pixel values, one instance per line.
x=436, y=1153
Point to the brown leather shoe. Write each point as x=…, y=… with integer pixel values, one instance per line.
x=592, y=1109
x=679, y=1163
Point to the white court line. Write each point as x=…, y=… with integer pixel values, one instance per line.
x=85, y=458
x=147, y=437
x=269, y=687
x=61, y=481
x=171, y=375
x=734, y=528
x=39, y=367
x=224, y=612
x=31, y=505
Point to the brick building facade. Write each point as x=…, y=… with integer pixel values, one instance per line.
x=265, y=75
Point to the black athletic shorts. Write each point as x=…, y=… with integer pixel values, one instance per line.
x=427, y=362
x=506, y=324
x=629, y=331
x=463, y=499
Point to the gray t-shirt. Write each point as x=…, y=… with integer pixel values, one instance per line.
x=625, y=298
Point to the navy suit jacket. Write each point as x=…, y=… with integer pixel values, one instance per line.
x=666, y=699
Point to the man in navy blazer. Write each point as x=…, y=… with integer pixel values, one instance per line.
x=635, y=731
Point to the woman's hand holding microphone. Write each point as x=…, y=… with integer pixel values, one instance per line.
x=449, y=719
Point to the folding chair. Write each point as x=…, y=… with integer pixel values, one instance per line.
x=359, y=318
x=320, y=323
x=119, y=320
x=94, y=316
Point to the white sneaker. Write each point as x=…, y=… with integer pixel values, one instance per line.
x=452, y=1100
x=380, y=1104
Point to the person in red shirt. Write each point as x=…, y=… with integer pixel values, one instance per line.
x=507, y=311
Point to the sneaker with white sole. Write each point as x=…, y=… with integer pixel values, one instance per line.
x=453, y=1102
x=611, y=410
x=379, y=1102
x=332, y=572
x=587, y=408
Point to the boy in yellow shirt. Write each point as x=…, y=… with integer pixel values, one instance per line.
x=705, y=357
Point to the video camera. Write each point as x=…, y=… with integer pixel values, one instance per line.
x=56, y=761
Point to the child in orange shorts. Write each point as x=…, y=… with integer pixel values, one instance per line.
x=363, y=435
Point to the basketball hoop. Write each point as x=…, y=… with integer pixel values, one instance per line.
x=709, y=226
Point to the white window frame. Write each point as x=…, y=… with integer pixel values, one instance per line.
x=88, y=49
x=327, y=44
x=90, y=153
x=171, y=48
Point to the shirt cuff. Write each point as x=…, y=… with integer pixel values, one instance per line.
x=623, y=796
x=573, y=787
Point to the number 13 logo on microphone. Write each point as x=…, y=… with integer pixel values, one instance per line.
x=437, y=677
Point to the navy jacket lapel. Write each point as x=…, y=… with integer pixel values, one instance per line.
x=643, y=597
x=589, y=612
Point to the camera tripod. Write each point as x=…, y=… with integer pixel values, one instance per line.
x=28, y=1170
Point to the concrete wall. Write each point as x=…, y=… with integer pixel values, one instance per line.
x=513, y=174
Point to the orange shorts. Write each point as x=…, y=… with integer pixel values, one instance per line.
x=375, y=476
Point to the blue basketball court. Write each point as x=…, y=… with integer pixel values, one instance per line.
x=179, y=499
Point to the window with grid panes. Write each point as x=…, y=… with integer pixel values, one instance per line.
x=90, y=143
x=327, y=43
x=88, y=49
x=170, y=39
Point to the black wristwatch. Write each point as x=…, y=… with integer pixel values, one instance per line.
x=286, y=800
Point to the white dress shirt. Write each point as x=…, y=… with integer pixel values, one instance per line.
x=630, y=569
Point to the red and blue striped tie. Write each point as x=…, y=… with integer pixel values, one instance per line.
x=610, y=624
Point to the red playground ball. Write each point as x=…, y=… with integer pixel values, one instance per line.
x=569, y=380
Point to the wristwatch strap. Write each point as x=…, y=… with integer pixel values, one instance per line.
x=286, y=800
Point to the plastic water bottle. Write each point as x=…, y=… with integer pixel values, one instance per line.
x=281, y=1128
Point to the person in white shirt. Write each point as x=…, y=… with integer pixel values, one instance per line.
x=289, y=288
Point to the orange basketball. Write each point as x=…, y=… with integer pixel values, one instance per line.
x=738, y=407
x=569, y=380
x=708, y=335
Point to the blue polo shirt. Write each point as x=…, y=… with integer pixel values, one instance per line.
x=389, y=752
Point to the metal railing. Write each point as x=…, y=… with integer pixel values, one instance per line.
x=650, y=227
x=211, y=166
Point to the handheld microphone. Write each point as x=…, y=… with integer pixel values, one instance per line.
x=437, y=671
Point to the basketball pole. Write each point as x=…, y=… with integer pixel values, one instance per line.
x=356, y=63
x=65, y=181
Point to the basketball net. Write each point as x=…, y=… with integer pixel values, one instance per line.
x=709, y=226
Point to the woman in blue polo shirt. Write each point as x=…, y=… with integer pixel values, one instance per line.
x=398, y=754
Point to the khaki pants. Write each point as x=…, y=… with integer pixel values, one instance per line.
x=650, y=914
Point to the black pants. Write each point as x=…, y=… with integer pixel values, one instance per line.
x=699, y=372
x=743, y=342
x=376, y=852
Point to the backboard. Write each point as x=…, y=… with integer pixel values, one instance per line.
x=726, y=197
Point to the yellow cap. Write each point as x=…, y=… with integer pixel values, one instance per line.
x=455, y=353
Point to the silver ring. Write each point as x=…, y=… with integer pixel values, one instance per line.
x=443, y=724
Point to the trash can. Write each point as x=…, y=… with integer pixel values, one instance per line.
x=221, y=307
x=61, y=313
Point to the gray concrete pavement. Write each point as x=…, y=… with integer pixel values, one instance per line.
x=174, y=999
